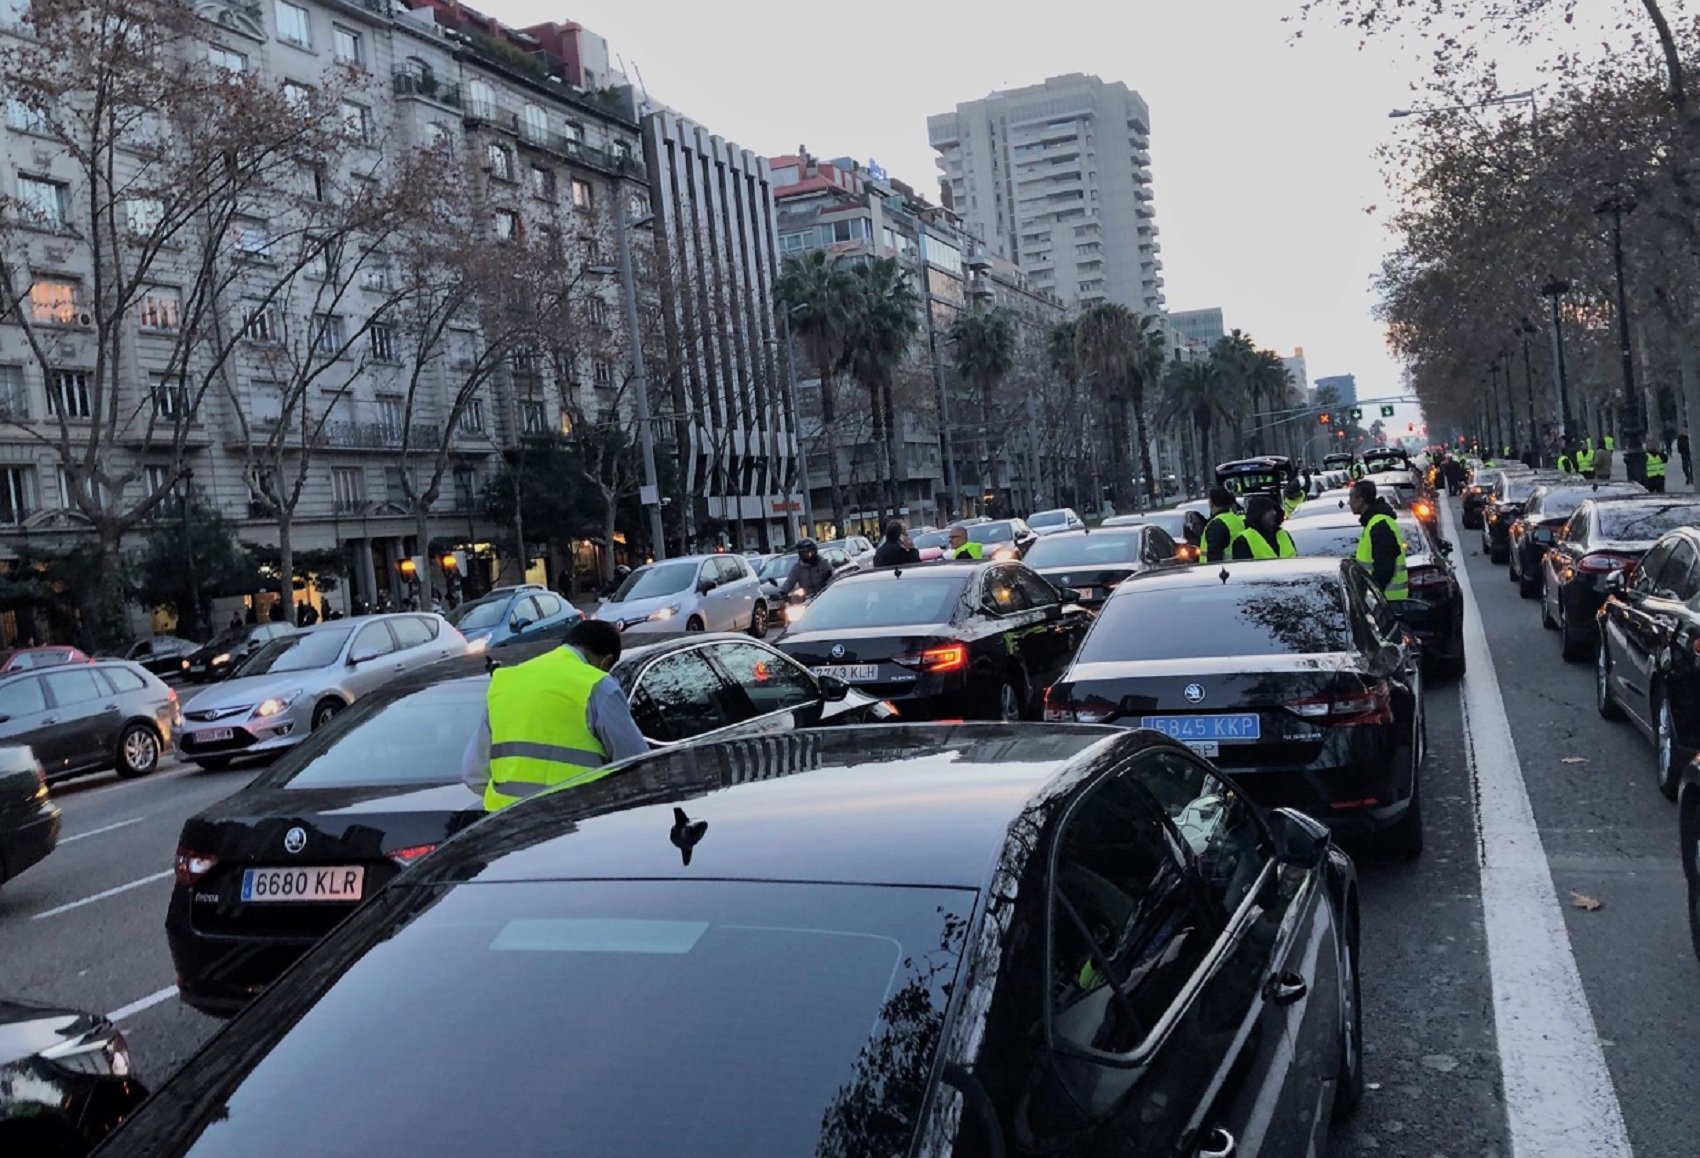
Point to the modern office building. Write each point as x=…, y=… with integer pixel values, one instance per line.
x=1295, y=364
x=1346, y=385
x=1057, y=178
x=1200, y=329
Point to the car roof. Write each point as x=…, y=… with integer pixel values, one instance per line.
x=1238, y=571
x=932, y=805
x=940, y=566
x=1123, y=529
x=462, y=666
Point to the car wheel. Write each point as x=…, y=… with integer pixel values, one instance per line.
x=1405, y=838
x=324, y=711
x=1012, y=700
x=138, y=751
x=1512, y=572
x=212, y=763
x=694, y=623
x=1349, y=1090
x=758, y=620
x=1571, y=649
x=1690, y=851
x=1528, y=588
x=1602, y=684
x=1670, y=756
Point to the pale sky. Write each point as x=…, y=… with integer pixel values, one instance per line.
x=1262, y=148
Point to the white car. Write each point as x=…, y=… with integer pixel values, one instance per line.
x=1050, y=522
x=694, y=593
x=295, y=684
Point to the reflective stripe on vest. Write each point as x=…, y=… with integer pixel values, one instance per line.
x=969, y=550
x=1236, y=527
x=540, y=733
x=1399, y=588
x=1565, y=465
x=1256, y=544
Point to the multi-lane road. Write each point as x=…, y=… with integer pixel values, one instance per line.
x=1500, y=1017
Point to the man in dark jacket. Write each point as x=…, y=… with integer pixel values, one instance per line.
x=1224, y=526
x=894, y=550
x=1379, y=548
x=810, y=573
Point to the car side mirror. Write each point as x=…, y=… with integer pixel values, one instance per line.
x=832, y=689
x=358, y=658
x=1299, y=839
x=1446, y=546
x=704, y=587
x=5, y=719
x=1069, y=595
x=1615, y=582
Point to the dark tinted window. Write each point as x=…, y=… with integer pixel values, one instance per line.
x=1633, y=521
x=1037, y=591
x=686, y=697
x=1301, y=616
x=912, y=598
x=122, y=679
x=772, y=682
x=700, y=1018
x=1219, y=824
x=1648, y=575
x=22, y=697
x=422, y=735
x=1676, y=576
x=1002, y=593
x=71, y=686
x=1086, y=549
x=1576, y=530
x=1159, y=545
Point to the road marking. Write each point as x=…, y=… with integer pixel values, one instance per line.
x=1559, y=1098
x=101, y=896
x=104, y=828
x=147, y=1002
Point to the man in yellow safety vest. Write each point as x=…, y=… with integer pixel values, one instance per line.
x=1225, y=525
x=1655, y=472
x=1380, y=549
x=1263, y=536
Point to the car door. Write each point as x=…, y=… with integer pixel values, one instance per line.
x=1056, y=633
x=681, y=696
x=372, y=658
x=737, y=590
x=1628, y=632
x=767, y=691
x=85, y=716
x=708, y=588
x=25, y=719
x=415, y=641
x=1661, y=614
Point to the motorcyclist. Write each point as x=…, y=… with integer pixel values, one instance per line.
x=810, y=573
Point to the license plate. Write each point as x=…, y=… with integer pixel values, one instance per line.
x=850, y=673
x=213, y=735
x=1205, y=747
x=336, y=883
x=1207, y=729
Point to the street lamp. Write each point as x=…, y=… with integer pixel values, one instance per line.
x=1527, y=96
x=1525, y=328
x=1632, y=418
x=1556, y=289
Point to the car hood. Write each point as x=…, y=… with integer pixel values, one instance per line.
x=637, y=610
x=252, y=689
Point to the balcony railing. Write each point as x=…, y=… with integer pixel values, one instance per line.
x=410, y=83
x=380, y=436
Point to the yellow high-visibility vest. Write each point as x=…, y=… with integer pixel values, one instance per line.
x=540, y=733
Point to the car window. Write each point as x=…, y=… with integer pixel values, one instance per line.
x=21, y=697
x=1038, y=592
x=1159, y=545
x=1299, y=616
x=373, y=641
x=1576, y=530
x=682, y=697
x=731, y=569
x=1647, y=574
x=1633, y=521
x=140, y=649
x=72, y=685
x=655, y=580
x=1127, y=926
x=410, y=631
x=303, y=651
x=709, y=573
x=122, y=679
x=1219, y=824
x=1676, y=575
x=772, y=682
x=1003, y=594
x=548, y=606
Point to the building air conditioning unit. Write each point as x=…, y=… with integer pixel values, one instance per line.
x=85, y=318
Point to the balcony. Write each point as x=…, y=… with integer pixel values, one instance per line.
x=380, y=436
x=408, y=83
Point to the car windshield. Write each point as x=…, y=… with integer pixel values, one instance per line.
x=1173, y=522
x=1516, y=489
x=225, y=640
x=779, y=566
x=657, y=579
x=709, y=1018
x=1048, y=519
x=303, y=651
x=1304, y=615
x=422, y=735
x=1106, y=548
x=484, y=613
x=1633, y=523
x=888, y=601
x=992, y=532
x=931, y=539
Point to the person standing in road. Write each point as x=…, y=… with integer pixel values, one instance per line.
x=1682, y=449
x=1292, y=499
x=1655, y=471
x=1566, y=462
x=810, y=573
x=894, y=550
x=1225, y=525
x=1380, y=550
x=1263, y=536
x=557, y=719
x=962, y=547
x=1585, y=460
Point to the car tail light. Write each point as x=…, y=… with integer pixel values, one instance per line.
x=406, y=856
x=1422, y=510
x=1372, y=705
x=947, y=658
x=1058, y=710
x=1604, y=562
x=190, y=866
x=1186, y=552
x=1427, y=577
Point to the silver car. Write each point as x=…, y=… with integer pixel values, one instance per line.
x=292, y=686
x=695, y=593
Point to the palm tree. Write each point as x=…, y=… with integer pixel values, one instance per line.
x=1269, y=379
x=1234, y=354
x=985, y=353
x=883, y=322
x=1145, y=377
x=819, y=296
x=1197, y=394
x=1106, y=340
x=1061, y=353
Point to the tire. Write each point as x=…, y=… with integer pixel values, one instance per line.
x=1528, y=588
x=1547, y=620
x=212, y=763
x=1571, y=649
x=1499, y=555
x=694, y=623
x=1603, y=702
x=758, y=620
x=1512, y=571
x=1405, y=838
x=1349, y=1085
x=1011, y=706
x=1668, y=757
x=1689, y=850
x=324, y=711
x=1451, y=668
x=138, y=751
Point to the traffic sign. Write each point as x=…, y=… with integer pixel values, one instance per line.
x=1357, y=413
x=1387, y=412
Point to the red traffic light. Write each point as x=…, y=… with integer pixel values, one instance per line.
x=1325, y=419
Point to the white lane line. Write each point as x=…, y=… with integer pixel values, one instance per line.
x=1559, y=1099
x=137, y=1006
x=101, y=896
x=103, y=828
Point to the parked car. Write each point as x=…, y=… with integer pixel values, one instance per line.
x=1688, y=845
x=90, y=717
x=773, y=574
x=1480, y=489
x=951, y=640
x=1002, y=538
x=215, y=659
x=859, y=547
x=696, y=592
x=511, y=616
x=295, y=684
x=886, y=941
x=1545, y=512
x=1648, y=666
x=1092, y=563
x=1505, y=506
x=29, y=821
x=65, y=1080
x=1600, y=538
x=31, y=658
x=1050, y=522
x=1292, y=675
x=931, y=544
x=163, y=655
x=382, y=787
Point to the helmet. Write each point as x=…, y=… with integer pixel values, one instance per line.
x=805, y=545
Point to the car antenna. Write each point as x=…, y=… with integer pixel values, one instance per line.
x=686, y=833
x=1223, y=576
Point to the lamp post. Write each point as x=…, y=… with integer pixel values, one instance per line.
x=194, y=608
x=1525, y=329
x=1527, y=96
x=1555, y=290
x=796, y=427
x=1632, y=417
x=651, y=493
x=1496, y=423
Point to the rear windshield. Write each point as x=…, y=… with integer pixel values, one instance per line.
x=422, y=736
x=1516, y=488
x=1048, y=519
x=1635, y=522
x=1107, y=548
x=658, y=579
x=474, y=616
x=1300, y=616
x=991, y=532
x=1561, y=502
x=303, y=652
x=910, y=599
x=705, y=1018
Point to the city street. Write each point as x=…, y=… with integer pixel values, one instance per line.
x=1470, y=1052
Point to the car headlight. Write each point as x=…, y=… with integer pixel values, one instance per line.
x=1004, y=553
x=272, y=705
x=667, y=612
x=794, y=612
x=221, y=657
x=477, y=646
x=185, y=665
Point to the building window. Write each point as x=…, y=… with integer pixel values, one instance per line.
x=532, y=420
x=542, y=182
x=161, y=308
x=358, y=120
x=45, y=203
x=156, y=478
x=250, y=235
x=329, y=335
x=438, y=136
x=391, y=416
x=298, y=96
x=598, y=312
x=395, y=486
x=292, y=24
x=377, y=274
x=574, y=133
x=265, y=323
x=265, y=405
x=348, y=488
x=524, y=361
x=507, y=225
x=535, y=126
x=466, y=487
x=170, y=400
x=68, y=394
x=790, y=243
x=54, y=302
x=27, y=118
x=383, y=342
x=145, y=215
x=226, y=60
x=472, y=416
x=17, y=494
x=14, y=400
x=325, y=262
x=602, y=374
x=463, y=349
x=496, y=159
x=480, y=100
x=584, y=197
x=347, y=45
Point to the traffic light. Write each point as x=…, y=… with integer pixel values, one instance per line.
x=1325, y=419
x=1357, y=413
x=1410, y=428
x=1387, y=412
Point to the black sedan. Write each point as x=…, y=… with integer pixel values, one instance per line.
x=972, y=940
x=215, y=659
x=1649, y=655
x=1546, y=511
x=1480, y=489
x=163, y=655
x=65, y=1081
x=1002, y=538
x=1600, y=538
x=29, y=821
x=1294, y=675
x=263, y=874
x=1688, y=845
x=82, y=718
x=1505, y=506
x=1093, y=562
x=944, y=640
x=1434, y=613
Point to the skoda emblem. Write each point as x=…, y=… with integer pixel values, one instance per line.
x=1194, y=693
x=295, y=840
x=837, y=651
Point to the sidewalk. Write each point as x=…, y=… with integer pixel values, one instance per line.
x=1674, y=483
